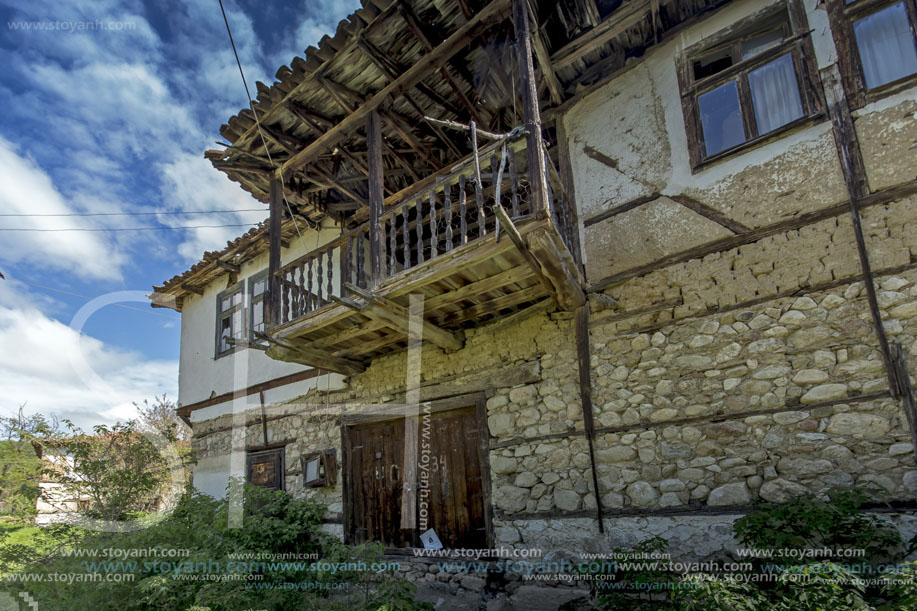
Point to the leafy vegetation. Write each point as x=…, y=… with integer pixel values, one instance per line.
x=815, y=554
x=219, y=566
x=20, y=467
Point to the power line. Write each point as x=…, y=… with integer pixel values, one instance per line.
x=251, y=105
x=119, y=305
x=136, y=213
x=124, y=228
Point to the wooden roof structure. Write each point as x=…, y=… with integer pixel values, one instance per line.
x=420, y=64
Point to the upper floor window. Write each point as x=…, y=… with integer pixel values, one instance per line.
x=745, y=86
x=877, y=45
x=257, y=289
x=240, y=315
x=230, y=326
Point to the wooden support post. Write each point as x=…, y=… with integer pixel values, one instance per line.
x=538, y=183
x=274, y=264
x=397, y=317
x=376, y=195
x=584, y=360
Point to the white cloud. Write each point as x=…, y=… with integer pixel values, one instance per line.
x=191, y=183
x=52, y=348
x=26, y=189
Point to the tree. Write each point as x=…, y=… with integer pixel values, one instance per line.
x=162, y=415
x=121, y=470
x=20, y=467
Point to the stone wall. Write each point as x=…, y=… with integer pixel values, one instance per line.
x=750, y=374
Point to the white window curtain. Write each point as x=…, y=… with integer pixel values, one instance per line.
x=886, y=45
x=775, y=94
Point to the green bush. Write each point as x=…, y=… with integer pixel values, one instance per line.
x=835, y=522
x=272, y=523
x=807, y=582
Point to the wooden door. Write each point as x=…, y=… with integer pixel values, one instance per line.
x=454, y=500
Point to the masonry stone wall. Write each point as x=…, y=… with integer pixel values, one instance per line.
x=738, y=397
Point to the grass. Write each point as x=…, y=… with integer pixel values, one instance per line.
x=17, y=533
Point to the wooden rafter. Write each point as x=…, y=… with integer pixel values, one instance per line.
x=271, y=114
x=331, y=181
x=494, y=12
x=555, y=89
x=414, y=25
x=392, y=71
x=350, y=101
x=628, y=15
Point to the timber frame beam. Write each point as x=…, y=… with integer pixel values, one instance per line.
x=397, y=317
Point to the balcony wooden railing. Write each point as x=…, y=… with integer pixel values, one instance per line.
x=455, y=209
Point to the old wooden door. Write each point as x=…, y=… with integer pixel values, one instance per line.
x=454, y=499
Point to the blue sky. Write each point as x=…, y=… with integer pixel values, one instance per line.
x=108, y=106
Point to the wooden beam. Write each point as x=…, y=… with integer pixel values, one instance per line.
x=584, y=363
x=283, y=350
x=538, y=184
x=567, y=289
x=230, y=267
x=511, y=276
x=546, y=261
x=376, y=197
x=333, y=182
x=192, y=289
x=555, y=89
x=397, y=317
x=516, y=238
x=417, y=30
x=383, y=62
x=510, y=300
x=491, y=14
x=274, y=230
x=625, y=17
x=710, y=213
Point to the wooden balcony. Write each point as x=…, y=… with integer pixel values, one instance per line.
x=473, y=241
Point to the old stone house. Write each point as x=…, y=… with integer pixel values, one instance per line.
x=668, y=273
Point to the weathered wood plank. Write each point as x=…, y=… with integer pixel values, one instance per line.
x=383, y=309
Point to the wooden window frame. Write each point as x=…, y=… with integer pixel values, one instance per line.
x=791, y=19
x=221, y=314
x=279, y=465
x=253, y=300
x=328, y=473
x=841, y=17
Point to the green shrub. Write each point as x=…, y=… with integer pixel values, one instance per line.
x=836, y=522
x=272, y=523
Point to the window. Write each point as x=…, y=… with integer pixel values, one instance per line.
x=240, y=315
x=319, y=469
x=745, y=86
x=257, y=289
x=877, y=45
x=230, y=321
x=265, y=468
